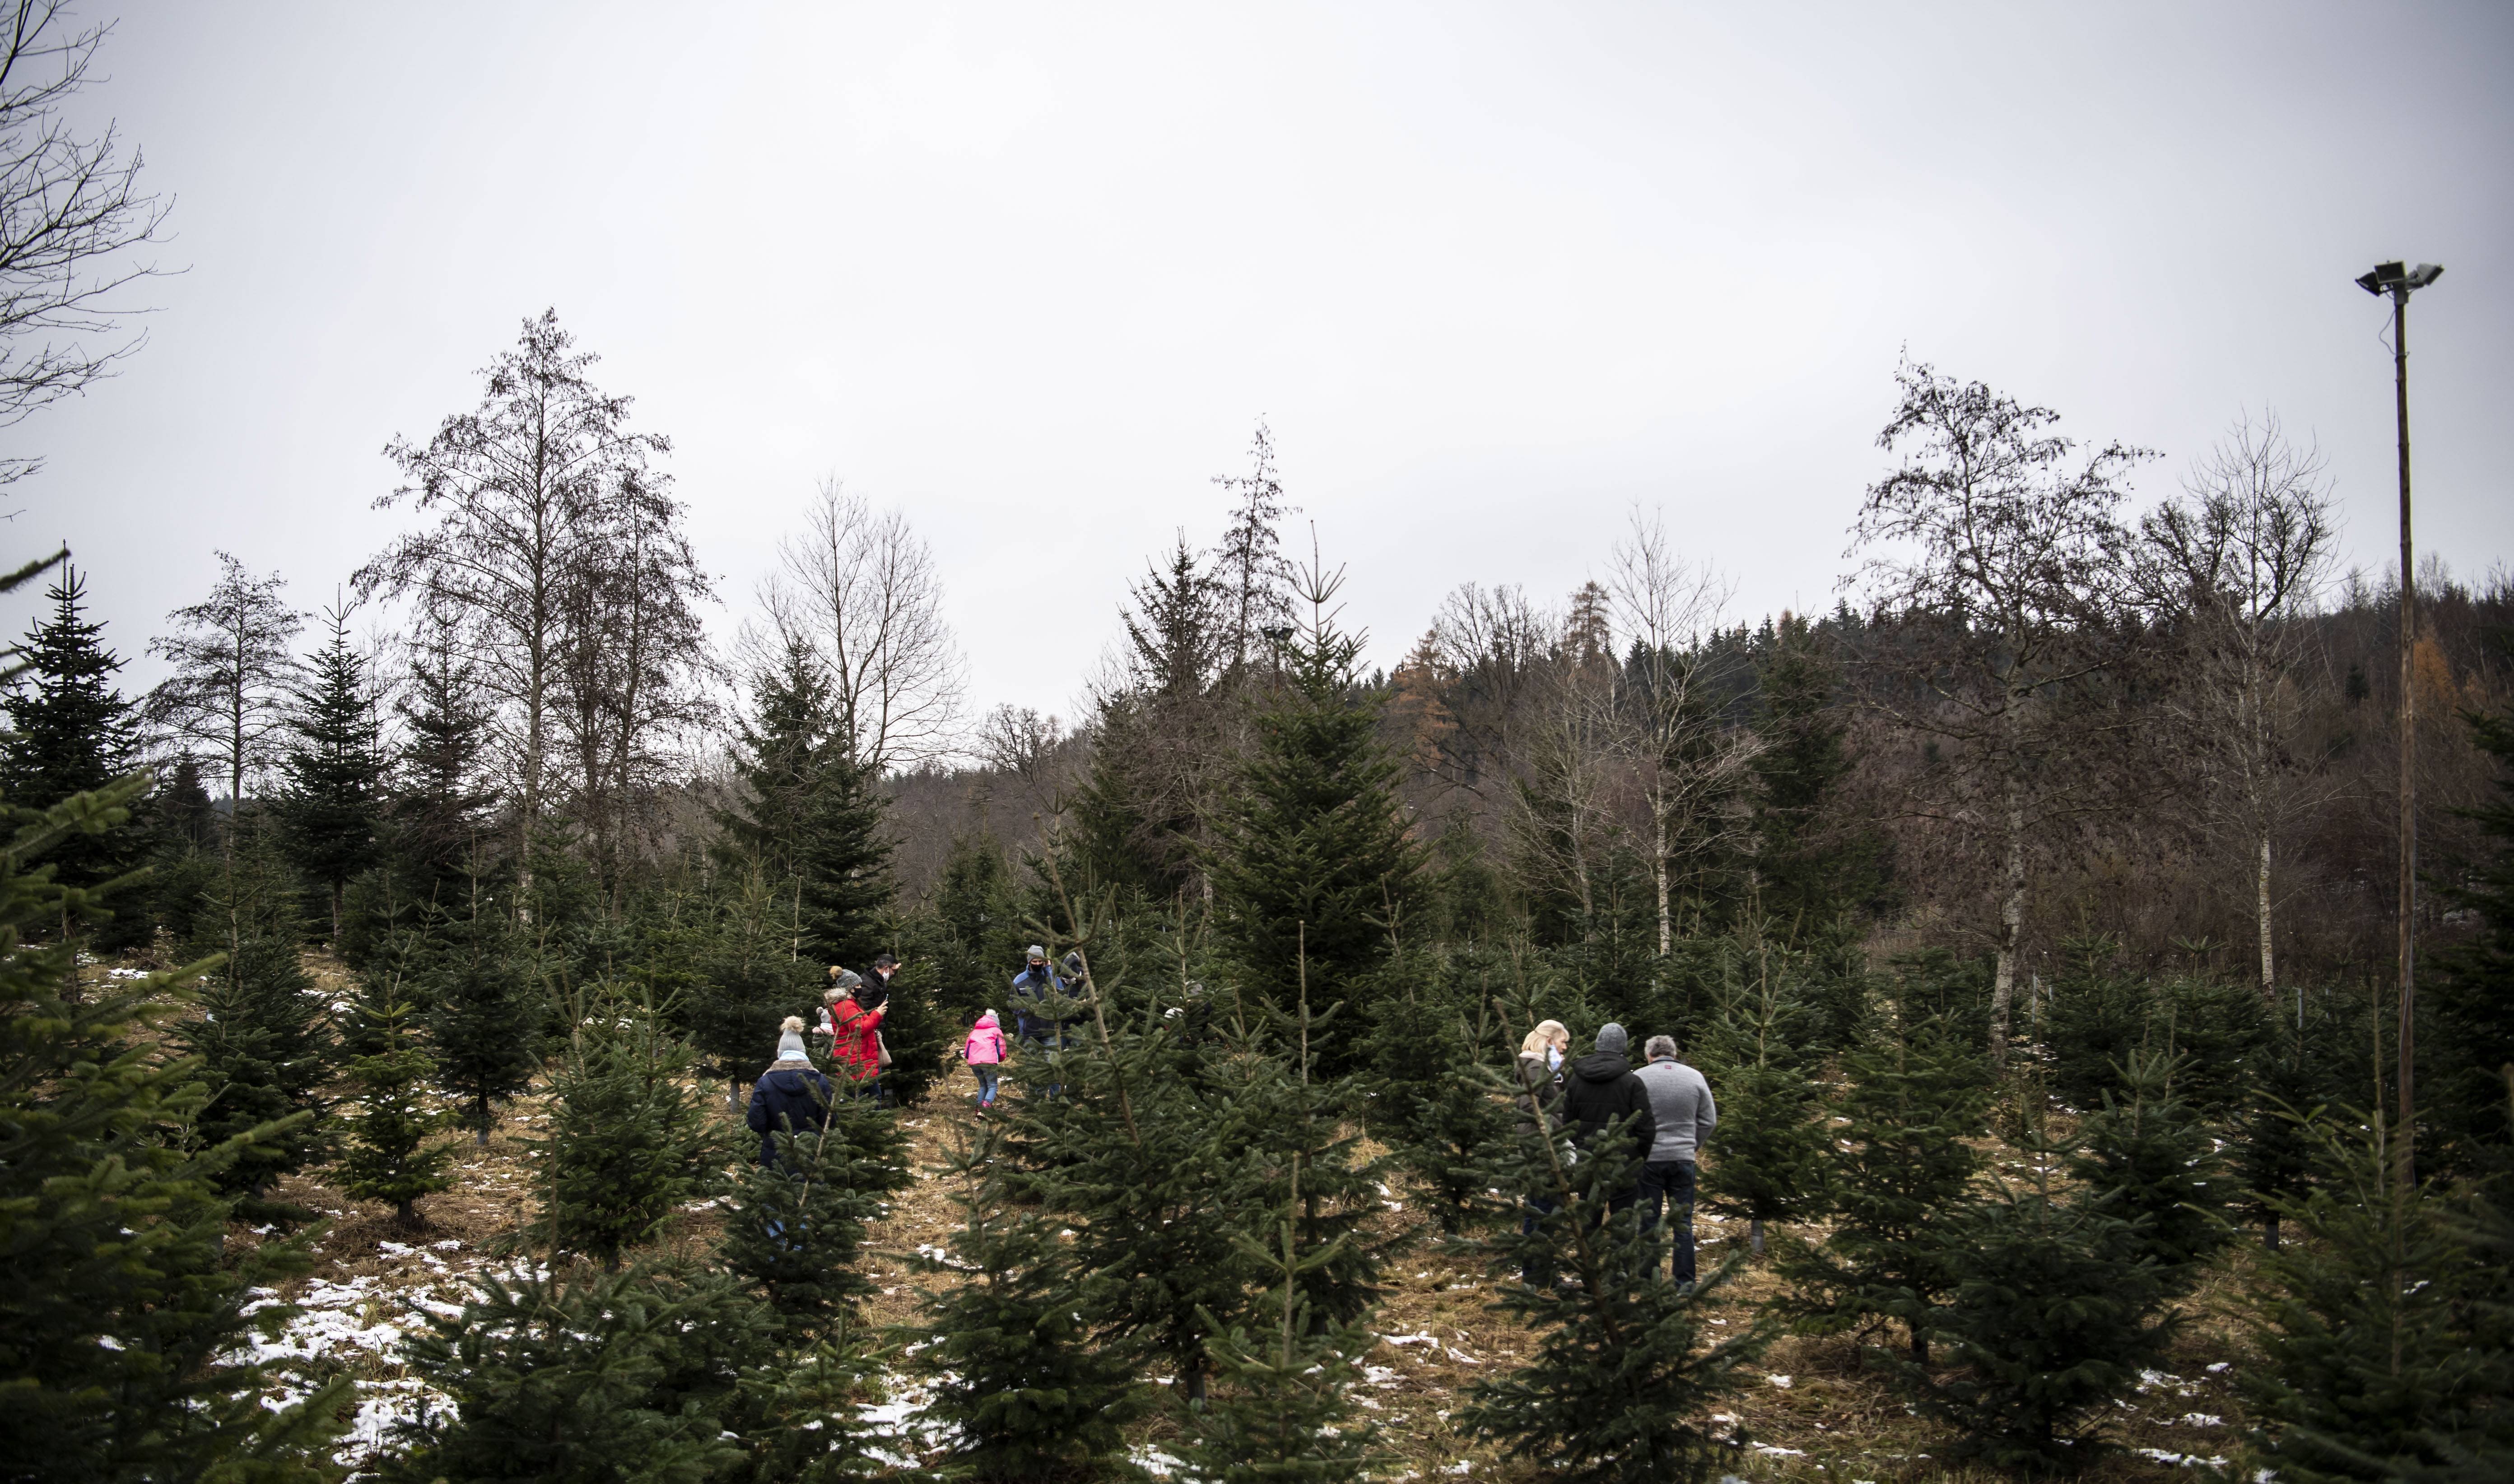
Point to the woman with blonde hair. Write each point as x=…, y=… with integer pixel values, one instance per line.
x=1539, y=1069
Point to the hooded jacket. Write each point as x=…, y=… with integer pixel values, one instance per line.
x=986, y=1044
x=1599, y=1090
x=787, y=1094
x=856, y=1047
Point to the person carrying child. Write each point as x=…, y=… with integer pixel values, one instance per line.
x=984, y=1053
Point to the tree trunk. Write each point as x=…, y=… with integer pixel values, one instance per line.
x=1755, y=1235
x=1920, y=1347
x=2011, y=920
x=2269, y=978
x=2270, y=1231
x=1658, y=871
x=482, y=1107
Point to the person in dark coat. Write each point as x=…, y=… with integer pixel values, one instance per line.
x=790, y=1095
x=1601, y=1091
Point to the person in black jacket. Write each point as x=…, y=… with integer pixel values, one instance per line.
x=1599, y=1092
x=790, y=1095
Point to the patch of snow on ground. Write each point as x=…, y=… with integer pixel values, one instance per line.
x=2179, y=1459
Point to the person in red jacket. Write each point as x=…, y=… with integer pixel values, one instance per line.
x=856, y=1051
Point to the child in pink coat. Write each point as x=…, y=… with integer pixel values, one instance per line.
x=985, y=1054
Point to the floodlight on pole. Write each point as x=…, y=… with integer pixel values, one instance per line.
x=2400, y=282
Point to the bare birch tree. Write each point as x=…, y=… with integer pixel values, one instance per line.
x=859, y=588
x=70, y=209
x=519, y=490
x=230, y=691
x=1687, y=758
x=2233, y=569
x=2004, y=558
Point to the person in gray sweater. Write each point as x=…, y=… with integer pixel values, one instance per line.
x=1681, y=1109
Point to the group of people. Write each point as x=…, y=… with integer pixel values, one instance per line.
x=1664, y=1107
x=795, y=1094
x=1664, y=1110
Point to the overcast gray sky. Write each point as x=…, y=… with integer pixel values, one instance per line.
x=1494, y=273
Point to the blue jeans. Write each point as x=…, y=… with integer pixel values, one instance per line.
x=1669, y=1183
x=986, y=1073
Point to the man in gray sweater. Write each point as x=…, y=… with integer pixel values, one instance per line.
x=1681, y=1106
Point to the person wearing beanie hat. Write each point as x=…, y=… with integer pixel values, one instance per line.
x=1600, y=1092
x=790, y=1096
x=1034, y=990
x=984, y=1051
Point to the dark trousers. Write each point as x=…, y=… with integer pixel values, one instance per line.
x=1669, y=1183
x=1535, y=1274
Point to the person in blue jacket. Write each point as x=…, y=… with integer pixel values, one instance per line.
x=792, y=1094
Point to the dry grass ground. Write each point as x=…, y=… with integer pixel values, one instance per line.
x=1813, y=1414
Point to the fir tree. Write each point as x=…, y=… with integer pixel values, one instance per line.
x=1016, y=1381
x=394, y=1154
x=796, y=1225
x=584, y=1377
x=781, y=746
x=1627, y=1365
x=2274, y=1143
x=265, y=1042
x=629, y=1139
x=2160, y=1167
x=1432, y=1103
x=1300, y=1132
x=1312, y=859
x=1137, y=821
x=330, y=803
x=71, y=732
x=2057, y=1306
x=439, y=806
x=1901, y=1172
x=1775, y=1146
x=843, y=856
x=183, y=835
x=123, y=1354
x=484, y=1011
x=2384, y=1333
x=1154, y=1184
x=748, y=977
x=1280, y=1412
x=1810, y=866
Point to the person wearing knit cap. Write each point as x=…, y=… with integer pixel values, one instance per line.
x=791, y=1095
x=1600, y=1092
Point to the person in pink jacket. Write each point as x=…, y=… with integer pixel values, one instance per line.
x=985, y=1054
